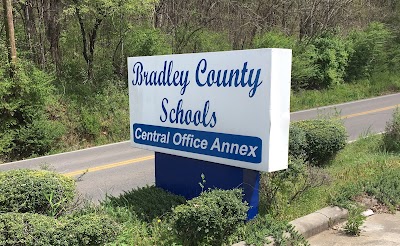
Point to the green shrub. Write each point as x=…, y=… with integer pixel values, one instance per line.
x=210, y=218
x=99, y=115
x=304, y=55
x=324, y=139
x=90, y=229
x=39, y=230
x=391, y=137
x=25, y=121
x=332, y=54
x=35, y=191
x=37, y=138
x=146, y=203
x=280, y=189
x=304, y=66
x=30, y=229
x=394, y=57
x=370, y=51
x=297, y=142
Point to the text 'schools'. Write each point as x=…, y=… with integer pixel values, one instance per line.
x=228, y=146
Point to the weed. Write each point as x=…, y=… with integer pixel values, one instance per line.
x=80, y=177
x=354, y=222
x=265, y=229
x=391, y=137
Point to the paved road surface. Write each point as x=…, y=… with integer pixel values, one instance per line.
x=117, y=167
x=378, y=230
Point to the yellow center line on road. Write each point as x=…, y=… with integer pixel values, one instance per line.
x=108, y=166
x=369, y=112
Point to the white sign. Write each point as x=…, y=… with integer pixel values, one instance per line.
x=228, y=107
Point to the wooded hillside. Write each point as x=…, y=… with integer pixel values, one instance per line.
x=69, y=88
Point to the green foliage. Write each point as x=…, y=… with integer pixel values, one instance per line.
x=345, y=196
x=39, y=230
x=386, y=188
x=324, y=139
x=208, y=41
x=318, y=64
x=101, y=8
x=210, y=218
x=133, y=40
x=90, y=229
x=304, y=66
x=297, y=142
x=265, y=229
x=26, y=121
x=201, y=41
x=30, y=230
x=378, y=84
x=138, y=232
x=282, y=188
x=384, y=185
x=370, y=51
x=146, y=203
x=100, y=118
x=274, y=39
x=146, y=42
x=394, y=57
x=30, y=191
x=304, y=55
x=354, y=221
x=37, y=138
x=391, y=136
x=332, y=54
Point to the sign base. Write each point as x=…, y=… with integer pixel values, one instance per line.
x=181, y=175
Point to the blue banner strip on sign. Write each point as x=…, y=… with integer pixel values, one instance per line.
x=229, y=146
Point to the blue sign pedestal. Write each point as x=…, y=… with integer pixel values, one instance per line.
x=181, y=175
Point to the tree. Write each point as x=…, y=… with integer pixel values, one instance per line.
x=92, y=13
x=9, y=24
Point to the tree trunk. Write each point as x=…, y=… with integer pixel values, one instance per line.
x=88, y=45
x=53, y=30
x=9, y=23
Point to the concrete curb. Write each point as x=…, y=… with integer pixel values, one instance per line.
x=319, y=221
x=316, y=222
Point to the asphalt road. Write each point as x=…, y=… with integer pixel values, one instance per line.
x=112, y=169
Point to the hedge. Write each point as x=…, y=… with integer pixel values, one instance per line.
x=324, y=139
x=35, y=191
x=210, y=218
x=36, y=230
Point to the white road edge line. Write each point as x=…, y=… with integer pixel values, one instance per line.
x=65, y=153
x=359, y=138
x=347, y=103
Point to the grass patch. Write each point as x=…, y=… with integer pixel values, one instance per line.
x=360, y=162
x=377, y=85
x=147, y=203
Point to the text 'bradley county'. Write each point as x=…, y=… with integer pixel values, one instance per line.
x=204, y=76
